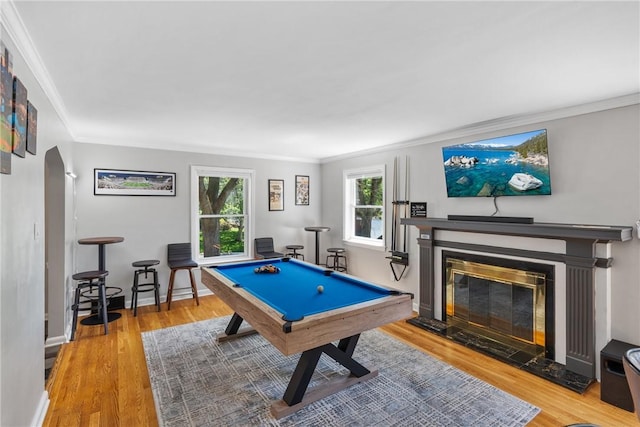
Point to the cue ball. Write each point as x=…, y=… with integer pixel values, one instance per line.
x=320, y=289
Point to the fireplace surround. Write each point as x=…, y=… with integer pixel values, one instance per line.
x=579, y=256
x=507, y=302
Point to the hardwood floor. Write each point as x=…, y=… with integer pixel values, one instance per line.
x=102, y=380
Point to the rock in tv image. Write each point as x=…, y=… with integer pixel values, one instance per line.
x=512, y=165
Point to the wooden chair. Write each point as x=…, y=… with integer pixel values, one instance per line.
x=179, y=258
x=263, y=248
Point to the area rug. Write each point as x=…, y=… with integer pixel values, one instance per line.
x=199, y=382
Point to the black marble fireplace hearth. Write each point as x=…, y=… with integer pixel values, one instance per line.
x=539, y=366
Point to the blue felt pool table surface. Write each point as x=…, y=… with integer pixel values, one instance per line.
x=293, y=291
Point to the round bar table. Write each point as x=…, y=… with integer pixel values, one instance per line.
x=101, y=242
x=317, y=230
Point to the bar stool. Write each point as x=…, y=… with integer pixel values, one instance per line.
x=293, y=251
x=338, y=259
x=179, y=258
x=88, y=280
x=144, y=287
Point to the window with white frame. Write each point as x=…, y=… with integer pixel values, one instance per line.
x=364, y=206
x=221, y=207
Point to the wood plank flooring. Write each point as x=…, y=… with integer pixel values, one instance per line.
x=102, y=380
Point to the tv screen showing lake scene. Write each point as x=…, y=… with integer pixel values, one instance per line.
x=513, y=165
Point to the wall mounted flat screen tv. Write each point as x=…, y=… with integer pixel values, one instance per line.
x=513, y=165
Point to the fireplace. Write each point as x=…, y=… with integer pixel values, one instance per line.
x=508, y=304
x=580, y=255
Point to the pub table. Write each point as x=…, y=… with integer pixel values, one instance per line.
x=317, y=230
x=101, y=242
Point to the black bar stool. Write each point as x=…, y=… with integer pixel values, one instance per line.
x=293, y=251
x=144, y=287
x=88, y=280
x=338, y=259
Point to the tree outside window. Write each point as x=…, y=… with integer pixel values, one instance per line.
x=364, y=206
x=221, y=213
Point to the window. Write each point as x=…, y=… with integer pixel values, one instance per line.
x=221, y=206
x=364, y=206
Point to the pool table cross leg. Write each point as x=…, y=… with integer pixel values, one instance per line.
x=344, y=358
x=301, y=376
x=234, y=324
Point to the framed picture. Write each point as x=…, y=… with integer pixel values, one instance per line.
x=6, y=109
x=32, y=128
x=418, y=209
x=19, y=122
x=302, y=190
x=276, y=194
x=115, y=182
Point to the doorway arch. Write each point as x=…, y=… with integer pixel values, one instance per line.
x=55, y=301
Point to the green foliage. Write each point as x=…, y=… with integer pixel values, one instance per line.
x=535, y=145
x=369, y=191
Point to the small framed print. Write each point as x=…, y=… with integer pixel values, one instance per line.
x=302, y=190
x=418, y=209
x=276, y=194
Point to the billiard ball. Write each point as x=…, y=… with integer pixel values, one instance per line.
x=320, y=289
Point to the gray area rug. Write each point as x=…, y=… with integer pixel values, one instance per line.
x=198, y=382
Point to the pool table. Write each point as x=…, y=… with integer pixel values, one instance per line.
x=292, y=313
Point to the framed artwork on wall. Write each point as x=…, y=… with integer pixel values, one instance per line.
x=32, y=128
x=302, y=190
x=115, y=182
x=19, y=122
x=6, y=109
x=276, y=194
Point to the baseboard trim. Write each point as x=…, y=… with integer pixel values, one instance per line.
x=41, y=410
x=55, y=341
x=150, y=300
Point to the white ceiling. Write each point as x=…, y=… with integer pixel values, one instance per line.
x=313, y=80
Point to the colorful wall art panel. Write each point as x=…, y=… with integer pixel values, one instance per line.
x=19, y=129
x=6, y=109
x=32, y=128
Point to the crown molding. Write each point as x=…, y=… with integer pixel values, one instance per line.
x=502, y=123
x=18, y=33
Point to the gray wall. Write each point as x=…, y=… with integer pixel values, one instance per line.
x=22, y=268
x=595, y=179
x=148, y=224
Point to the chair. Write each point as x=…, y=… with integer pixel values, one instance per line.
x=263, y=248
x=138, y=287
x=631, y=363
x=88, y=280
x=336, y=260
x=179, y=258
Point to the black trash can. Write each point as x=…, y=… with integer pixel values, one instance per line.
x=613, y=382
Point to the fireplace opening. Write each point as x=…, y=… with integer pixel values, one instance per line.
x=503, y=306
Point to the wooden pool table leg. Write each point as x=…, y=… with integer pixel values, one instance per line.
x=233, y=329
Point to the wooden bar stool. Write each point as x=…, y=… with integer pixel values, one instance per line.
x=336, y=260
x=179, y=258
x=88, y=280
x=144, y=287
x=293, y=251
